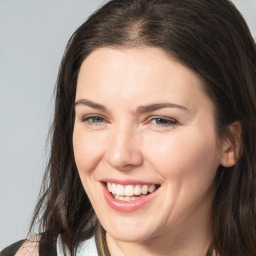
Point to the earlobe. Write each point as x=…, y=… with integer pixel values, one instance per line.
x=231, y=147
x=228, y=158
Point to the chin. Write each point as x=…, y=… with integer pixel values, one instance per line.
x=129, y=237
x=130, y=232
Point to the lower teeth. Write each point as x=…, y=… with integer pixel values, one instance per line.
x=127, y=198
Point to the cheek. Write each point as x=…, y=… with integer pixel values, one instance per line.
x=184, y=155
x=87, y=150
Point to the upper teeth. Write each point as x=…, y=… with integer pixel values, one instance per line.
x=130, y=190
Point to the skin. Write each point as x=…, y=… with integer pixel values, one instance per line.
x=180, y=151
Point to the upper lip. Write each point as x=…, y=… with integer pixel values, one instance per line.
x=128, y=181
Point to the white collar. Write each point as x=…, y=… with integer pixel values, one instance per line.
x=87, y=247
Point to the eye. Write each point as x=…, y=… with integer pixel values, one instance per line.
x=93, y=119
x=162, y=121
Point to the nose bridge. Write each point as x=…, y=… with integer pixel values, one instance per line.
x=123, y=149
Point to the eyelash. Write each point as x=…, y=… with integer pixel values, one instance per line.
x=168, y=122
x=89, y=119
x=164, y=121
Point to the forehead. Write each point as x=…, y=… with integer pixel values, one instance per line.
x=137, y=74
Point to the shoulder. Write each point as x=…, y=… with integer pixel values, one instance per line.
x=12, y=249
x=22, y=248
x=30, y=247
x=38, y=245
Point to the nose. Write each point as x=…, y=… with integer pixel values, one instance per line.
x=123, y=150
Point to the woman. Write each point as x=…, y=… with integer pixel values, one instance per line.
x=153, y=147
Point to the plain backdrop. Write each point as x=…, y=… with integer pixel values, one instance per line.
x=33, y=36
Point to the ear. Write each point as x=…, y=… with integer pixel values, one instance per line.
x=231, y=146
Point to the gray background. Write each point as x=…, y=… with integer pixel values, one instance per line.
x=33, y=35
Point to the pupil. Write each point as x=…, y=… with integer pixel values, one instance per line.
x=98, y=119
x=161, y=121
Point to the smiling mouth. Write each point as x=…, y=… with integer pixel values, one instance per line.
x=130, y=192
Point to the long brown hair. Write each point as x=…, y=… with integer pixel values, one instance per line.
x=212, y=39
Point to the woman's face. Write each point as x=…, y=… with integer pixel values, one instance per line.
x=144, y=123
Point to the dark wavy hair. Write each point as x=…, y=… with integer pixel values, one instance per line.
x=211, y=38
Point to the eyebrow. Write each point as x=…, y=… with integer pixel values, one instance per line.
x=90, y=104
x=140, y=109
x=154, y=107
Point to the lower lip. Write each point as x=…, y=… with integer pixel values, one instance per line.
x=127, y=206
